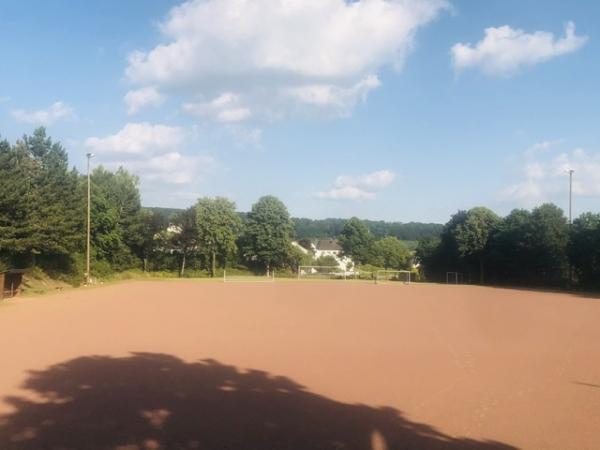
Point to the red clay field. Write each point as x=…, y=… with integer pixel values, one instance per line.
x=300, y=365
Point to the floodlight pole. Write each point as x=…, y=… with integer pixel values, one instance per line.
x=570, y=218
x=571, y=196
x=87, y=256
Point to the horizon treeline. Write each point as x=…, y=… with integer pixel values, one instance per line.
x=535, y=247
x=43, y=223
x=331, y=228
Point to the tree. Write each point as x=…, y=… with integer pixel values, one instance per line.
x=121, y=190
x=57, y=204
x=185, y=239
x=511, y=247
x=356, y=241
x=149, y=225
x=326, y=261
x=549, y=234
x=473, y=235
x=390, y=253
x=218, y=226
x=332, y=229
x=427, y=257
x=115, y=217
x=584, y=249
x=268, y=233
x=16, y=234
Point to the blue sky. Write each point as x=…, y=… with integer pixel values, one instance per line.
x=395, y=110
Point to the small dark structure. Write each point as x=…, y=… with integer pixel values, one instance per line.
x=10, y=282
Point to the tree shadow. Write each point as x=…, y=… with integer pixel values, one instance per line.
x=154, y=401
x=581, y=383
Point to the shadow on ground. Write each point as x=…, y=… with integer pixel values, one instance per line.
x=156, y=401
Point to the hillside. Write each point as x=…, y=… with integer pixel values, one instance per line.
x=331, y=228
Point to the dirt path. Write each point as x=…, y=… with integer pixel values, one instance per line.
x=460, y=365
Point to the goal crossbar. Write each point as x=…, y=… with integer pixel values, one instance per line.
x=392, y=275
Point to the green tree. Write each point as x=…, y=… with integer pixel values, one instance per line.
x=326, y=260
x=511, y=248
x=56, y=219
x=427, y=257
x=268, y=233
x=473, y=235
x=218, y=226
x=356, y=241
x=180, y=237
x=112, y=232
x=549, y=239
x=185, y=239
x=16, y=195
x=121, y=190
x=390, y=253
x=145, y=241
x=584, y=249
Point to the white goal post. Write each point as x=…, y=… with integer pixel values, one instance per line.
x=392, y=275
x=321, y=272
x=453, y=277
x=248, y=278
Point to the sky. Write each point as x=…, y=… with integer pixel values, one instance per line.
x=403, y=110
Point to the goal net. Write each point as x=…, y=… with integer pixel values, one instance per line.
x=232, y=278
x=454, y=277
x=321, y=273
x=402, y=276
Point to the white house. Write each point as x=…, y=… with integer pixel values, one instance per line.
x=331, y=247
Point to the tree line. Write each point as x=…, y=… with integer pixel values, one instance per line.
x=332, y=228
x=43, y=210
x=535, y=247
x=314, y=229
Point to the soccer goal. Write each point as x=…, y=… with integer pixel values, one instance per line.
x=321, y=273
x=248, y=278
x=402, y=276
x=454, y=277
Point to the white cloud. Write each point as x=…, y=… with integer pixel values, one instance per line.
x=244, y=136
x=159, y=154
x=545, y=177
x=173, y=167
x=358, y=188
x=138, y=138
x=542, y=147
x=346, y=193
x=225, y=108
x=272, y=56
x=47, y=116
x=505, y=50
x=140, y=98
x=337, y=99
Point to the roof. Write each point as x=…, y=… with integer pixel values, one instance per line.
x=329, y=244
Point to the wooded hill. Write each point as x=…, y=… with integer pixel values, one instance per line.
x=331, y=228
